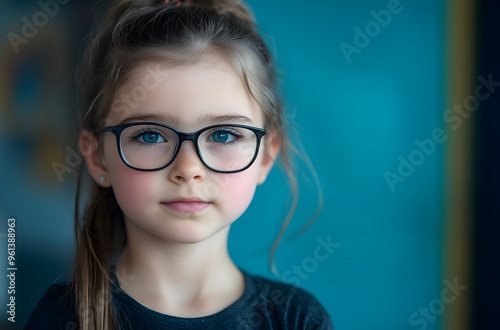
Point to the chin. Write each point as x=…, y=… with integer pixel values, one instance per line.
x=193, y=234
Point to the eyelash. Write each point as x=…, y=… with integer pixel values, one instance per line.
x=143, y=131
x=231, y=131
x=237, y=135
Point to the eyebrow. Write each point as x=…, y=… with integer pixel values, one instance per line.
x=162, y=118
x=226, y=118
x=175, y=121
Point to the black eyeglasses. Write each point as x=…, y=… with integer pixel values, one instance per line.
x=148, y=146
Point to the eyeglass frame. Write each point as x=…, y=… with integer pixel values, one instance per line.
x=181, y=136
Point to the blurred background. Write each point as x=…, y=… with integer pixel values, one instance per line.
x=396, y=104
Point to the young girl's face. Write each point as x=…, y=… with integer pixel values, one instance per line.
x=185, y=202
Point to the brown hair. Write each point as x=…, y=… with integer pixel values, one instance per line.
x=178, y=32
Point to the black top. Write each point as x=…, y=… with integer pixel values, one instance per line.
x=265, y=304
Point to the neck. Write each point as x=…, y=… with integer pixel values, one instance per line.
x=178, y=279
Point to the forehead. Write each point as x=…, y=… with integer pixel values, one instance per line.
x=187, y=96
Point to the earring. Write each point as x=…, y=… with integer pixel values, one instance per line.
x=102, y=179
x=262, y=179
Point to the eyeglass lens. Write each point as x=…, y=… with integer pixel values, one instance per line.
x=222, y=148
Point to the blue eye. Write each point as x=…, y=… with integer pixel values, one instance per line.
x=150, y=138
x=222, y=137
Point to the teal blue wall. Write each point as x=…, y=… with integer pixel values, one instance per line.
x=354, y=118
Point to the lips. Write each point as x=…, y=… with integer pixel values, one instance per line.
x=187, y=205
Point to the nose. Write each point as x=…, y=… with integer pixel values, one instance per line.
x=187, y=165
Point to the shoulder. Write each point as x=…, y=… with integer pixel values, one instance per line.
x=55, y=310
x=291, y=306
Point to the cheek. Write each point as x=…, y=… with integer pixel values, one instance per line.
x=236, y=192
x=132, y=192
x=238, y=189
x=131, y=188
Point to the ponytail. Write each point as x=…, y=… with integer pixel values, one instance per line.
x=99, y=234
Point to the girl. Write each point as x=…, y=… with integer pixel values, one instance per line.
x=181, y=122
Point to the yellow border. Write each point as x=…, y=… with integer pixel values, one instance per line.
x=460, y=80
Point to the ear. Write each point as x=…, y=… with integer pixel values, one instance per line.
x=89, y=147
x=271, y=149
